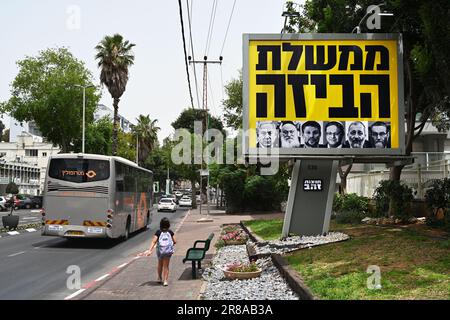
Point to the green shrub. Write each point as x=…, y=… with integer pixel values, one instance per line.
x=350, y=217
x=12, y=188
x=233, y=185
x=350, y=202
x=395, y=194
x=438, y=197
x=259, y=194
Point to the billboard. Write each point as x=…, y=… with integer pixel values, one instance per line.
x=323, y=94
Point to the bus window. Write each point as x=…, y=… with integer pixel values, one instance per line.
x=79, y=170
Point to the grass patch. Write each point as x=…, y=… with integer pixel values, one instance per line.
x=412, y=266
x=266, y=229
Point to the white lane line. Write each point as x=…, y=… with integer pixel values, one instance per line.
x=35, y=211
x=101, y=278
x=30, y=218
x=16, y=254
x=31, y=230
x=122, y=265
x=13, y=233
x=73, y=295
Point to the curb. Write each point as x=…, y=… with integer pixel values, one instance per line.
x=92, y=286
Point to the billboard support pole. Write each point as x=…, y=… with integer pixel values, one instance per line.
x=310, y=200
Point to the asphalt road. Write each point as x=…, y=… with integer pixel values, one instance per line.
x=33, y=267
x=27, y=216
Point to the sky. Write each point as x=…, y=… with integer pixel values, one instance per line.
x=158, y=83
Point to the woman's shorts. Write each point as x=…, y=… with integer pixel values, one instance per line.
x=166, y=255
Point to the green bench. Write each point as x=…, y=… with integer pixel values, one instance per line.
x=197, y=254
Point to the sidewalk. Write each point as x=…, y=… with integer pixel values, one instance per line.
x=137, y=281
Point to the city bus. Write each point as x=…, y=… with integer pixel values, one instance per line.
x=95, y=196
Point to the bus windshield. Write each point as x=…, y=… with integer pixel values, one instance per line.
x=79, y=170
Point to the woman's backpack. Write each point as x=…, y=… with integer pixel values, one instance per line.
x=165, y=243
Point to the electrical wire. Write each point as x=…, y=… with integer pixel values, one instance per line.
x=185, y=53
x=192, y=47
x=211, y=26
x=228, y=27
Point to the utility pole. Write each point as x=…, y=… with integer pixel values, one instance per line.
x=205, y=63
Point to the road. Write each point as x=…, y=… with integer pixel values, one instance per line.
x=33, y=267
x=27, y=216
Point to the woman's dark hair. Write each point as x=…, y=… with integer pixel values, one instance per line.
x=164, y=224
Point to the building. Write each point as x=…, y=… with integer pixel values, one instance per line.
x=103, y=111
x=23, y=159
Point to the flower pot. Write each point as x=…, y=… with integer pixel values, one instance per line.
x=10, y=222
x=241, y=275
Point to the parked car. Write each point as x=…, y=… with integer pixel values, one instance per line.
x=37, y=201
x=2, y=203
x=167, y=204
x=185, y=201
x=25, y=203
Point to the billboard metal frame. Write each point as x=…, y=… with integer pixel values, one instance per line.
x=336, y=153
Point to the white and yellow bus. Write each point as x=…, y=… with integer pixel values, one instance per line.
x=95, y=196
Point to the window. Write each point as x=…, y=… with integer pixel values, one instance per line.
x=44, y=154
x=31, y=153
x=79, y=170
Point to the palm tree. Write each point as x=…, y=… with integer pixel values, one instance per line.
x=147, y=132
x=114, y=58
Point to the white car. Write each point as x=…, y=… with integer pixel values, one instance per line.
x=2, y=203
x=167, y=204
x=185, y=202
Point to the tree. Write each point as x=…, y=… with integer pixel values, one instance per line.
x=45, y=91
x=12, y=188
x=232, y=106
x=188, y=116
x=5, y=136
x=114, y=58
x=2, y=127
x=147, y=132
x=98, y=136
x=126, y=146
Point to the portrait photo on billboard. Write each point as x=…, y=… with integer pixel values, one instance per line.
x=380, y=134
x=356, y=135
x=267, y=134
x=334, y=134
x=311, y=134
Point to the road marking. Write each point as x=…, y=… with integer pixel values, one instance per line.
x=122, y=265
x=35, y=211
x=13, y=233
x=73, y=295
x=31, y=230
x=101, y=278
x=16, y=254
x=30, y=218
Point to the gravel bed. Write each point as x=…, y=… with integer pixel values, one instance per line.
x=269, y=286
x=296, y=242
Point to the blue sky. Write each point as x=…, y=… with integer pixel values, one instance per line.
x=157, y=84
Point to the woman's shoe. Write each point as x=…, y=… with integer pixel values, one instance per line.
x=165, y=284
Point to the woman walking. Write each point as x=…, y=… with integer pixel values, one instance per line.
x=164, y=240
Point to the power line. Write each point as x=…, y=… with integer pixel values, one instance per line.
x=228, y=27
x=211, y=26
x=185, y=54
x=192, y=47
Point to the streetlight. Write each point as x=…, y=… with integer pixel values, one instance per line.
x=289, y=14
x=84, y=110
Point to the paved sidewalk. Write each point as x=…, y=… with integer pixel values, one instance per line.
x=137, y=281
